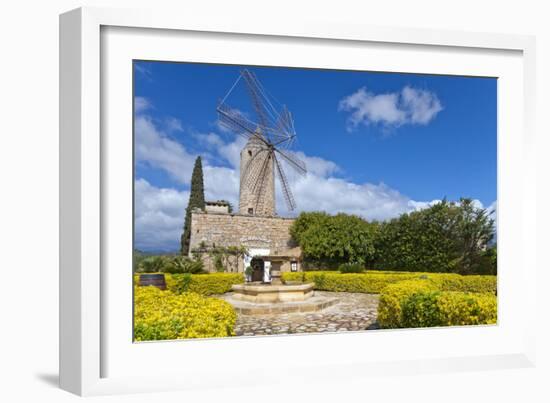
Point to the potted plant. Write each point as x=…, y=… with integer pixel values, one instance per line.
x=248, y=273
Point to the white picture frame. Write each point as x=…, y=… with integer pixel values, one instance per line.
x=86, y=179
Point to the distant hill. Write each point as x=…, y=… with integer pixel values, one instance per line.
x=138, y=252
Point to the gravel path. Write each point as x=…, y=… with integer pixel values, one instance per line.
x=354, y=311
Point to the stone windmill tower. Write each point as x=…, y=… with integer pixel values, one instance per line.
x=269, y=137
x=252, y=201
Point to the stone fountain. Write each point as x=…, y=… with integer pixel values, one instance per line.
x=272, y=293
x=257, y=298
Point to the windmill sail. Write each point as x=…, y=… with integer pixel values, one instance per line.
x=270, y=138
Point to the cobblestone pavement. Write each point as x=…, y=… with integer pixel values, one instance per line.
x=354, y=311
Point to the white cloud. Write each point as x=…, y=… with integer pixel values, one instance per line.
x=318, y=166
x=408, y=106
x=493, y=208
x=420, y=205
x=335, y=195
x=221, y=183
x=144, y=71
x=141, y=104
x=173, y=125
x=159, y=216
x=421, y=106
x=154, y=147
x=320, y=189
x=160, y=212
x=229, y=152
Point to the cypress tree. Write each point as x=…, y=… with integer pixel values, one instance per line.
x=196, y=200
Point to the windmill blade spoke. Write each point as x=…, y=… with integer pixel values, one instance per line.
x=260, y=190
x=253, y=167
x=284, y=143
x=257, y=185
x=235, y=122
x=271, y=135
x=264, y=110
x=276, y=137
x=287, y=193
x=284, y=124
x=295, y=162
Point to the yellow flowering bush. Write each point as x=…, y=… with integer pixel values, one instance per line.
x=370, y=282
x=473, y=283
x=373, y=282
x=393, y=296
x=163, y=315
x=449, y=308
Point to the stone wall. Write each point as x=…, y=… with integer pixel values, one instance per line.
x=254, y=232
x=214, y=208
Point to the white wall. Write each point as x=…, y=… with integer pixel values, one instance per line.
x=28, y=201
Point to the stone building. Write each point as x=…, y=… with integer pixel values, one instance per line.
x=220, y=206
x=256, y=227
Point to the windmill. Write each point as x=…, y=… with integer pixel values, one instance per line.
x=270, y=138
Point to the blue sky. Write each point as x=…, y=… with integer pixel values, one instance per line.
x=376, y=144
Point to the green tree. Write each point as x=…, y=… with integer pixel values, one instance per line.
x=446, y=237
x=419, y=241
x=476, y=230
x=337, y=239
x=196, y=200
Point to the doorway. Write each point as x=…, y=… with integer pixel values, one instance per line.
x=257, y=265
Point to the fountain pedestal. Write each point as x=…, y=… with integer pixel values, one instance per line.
x=272, y=293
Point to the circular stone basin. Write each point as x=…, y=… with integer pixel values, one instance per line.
x=272, y=293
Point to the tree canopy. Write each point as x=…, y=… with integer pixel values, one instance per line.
x=445, y=237
x=337, y=239
x=196, y=200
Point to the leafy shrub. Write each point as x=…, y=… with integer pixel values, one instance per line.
x=339, y=238
x=351, y=268
x=204, y=284
x=445, y=237
x=226, y=258
x=391, y=300
x=163, y=315
x=152, y=264
x=184, y=264
x=218, y=264
x=138, y=257
x=448, y=309
x=185, y=282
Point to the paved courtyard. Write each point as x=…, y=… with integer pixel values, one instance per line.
x=354, y=311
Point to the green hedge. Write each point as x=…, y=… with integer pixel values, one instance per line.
x=163, y=315
x=447, y=308
x=374, y=282
x=204, y=284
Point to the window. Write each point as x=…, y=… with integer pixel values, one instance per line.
x=250, y=210
x=293, y=266
x=250, y=153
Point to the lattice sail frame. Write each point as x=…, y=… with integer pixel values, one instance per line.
x=273, y=134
